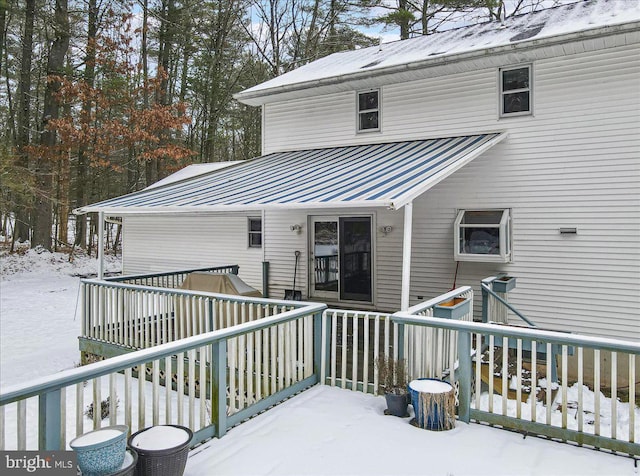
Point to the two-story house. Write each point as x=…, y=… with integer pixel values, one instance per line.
x=399, y=170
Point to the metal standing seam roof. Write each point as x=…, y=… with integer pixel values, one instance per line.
x=379, y=175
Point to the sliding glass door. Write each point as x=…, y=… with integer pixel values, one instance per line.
x=341, y=257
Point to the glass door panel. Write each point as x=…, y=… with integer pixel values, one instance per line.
x=355, y=259
x=325, y=257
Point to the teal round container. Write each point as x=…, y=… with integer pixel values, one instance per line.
x=101, y=452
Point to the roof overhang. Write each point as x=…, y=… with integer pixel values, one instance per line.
x=386, y=175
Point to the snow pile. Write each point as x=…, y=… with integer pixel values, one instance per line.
x=39, y=260
x=605, y=411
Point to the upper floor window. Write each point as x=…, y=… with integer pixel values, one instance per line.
x=515, y=91
x=483, y=235
x=255, y=232
x=369, y=111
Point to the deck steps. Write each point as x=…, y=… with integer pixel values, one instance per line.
x=486, y=374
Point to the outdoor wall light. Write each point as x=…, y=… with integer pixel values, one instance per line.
x=297, y=228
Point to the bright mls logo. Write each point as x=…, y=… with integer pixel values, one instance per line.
x=50, y=463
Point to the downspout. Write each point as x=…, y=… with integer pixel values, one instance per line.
x=406, y=256
x=100, y=245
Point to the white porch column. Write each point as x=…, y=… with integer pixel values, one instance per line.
x=406, y=256
x=100, y=245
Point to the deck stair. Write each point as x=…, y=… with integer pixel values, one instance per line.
x=487, y=373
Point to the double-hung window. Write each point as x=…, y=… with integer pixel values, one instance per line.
x=515, y=91
x=368, y=105
x=255, y=232
x=483, y=235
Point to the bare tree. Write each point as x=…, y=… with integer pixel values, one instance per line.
x=22, y=225
x=43, y=212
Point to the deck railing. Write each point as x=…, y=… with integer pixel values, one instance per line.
x=134, y=316
x=169, y=279
x=353, y=341
x=215, y=380
x=247, y=368
x=534, y=404
x=432, y=352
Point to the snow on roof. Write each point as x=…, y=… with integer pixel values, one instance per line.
x=192, y=170
x=552, y=22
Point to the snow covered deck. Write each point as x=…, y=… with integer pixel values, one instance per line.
x=330, y=431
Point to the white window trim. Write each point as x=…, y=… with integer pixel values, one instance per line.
x=512, y=91
x=505, y=237
x=378, y=110
x=250, y=232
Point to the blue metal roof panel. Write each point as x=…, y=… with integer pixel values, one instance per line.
x=388, y=175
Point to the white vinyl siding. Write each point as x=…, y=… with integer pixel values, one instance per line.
x=281, y=244
x=158, y=243
x=575, y=164
x=318, y=119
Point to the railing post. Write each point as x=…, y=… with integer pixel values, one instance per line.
x=485, y=305
x=83, y=309
x=327, y=346
x=219, y=387
x=401, y=355
x=234, y=269
x=317, y=346
x=464, y=377
x=50, y=421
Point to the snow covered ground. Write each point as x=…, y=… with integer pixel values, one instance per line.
x=39, y=321
x=323, y=431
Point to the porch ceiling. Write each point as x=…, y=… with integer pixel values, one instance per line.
x=378, y=175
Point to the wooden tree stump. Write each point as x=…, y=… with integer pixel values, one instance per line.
x=434, y=404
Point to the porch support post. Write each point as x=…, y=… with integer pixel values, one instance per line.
x=406, y=256
x=100, y=245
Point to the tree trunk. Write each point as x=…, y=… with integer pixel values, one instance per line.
x=425, y=17
x=22, y=225
x=51, y=110
x=64, y=173
x=89, y=79
x=144, y=54
x=3, y=35
x=404, y=24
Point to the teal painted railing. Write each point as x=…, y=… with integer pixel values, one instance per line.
x=134, y=316
x=208, y=382
x=557, y=411
x=487, y=291
x=170, y=279
x=353, y=341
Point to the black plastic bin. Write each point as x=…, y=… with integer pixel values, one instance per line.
x=154, y=460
